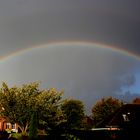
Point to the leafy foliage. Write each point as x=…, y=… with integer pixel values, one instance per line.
x=50, y=108
x=19, y=103
x=74, y=113
x=33, y=126
x=104, y=108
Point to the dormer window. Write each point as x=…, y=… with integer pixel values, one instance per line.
x=126, y=117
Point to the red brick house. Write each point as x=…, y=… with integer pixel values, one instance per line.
x=5, y=125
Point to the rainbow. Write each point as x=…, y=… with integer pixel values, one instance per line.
x=79, y=43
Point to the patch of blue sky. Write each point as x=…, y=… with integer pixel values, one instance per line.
x=134, y=89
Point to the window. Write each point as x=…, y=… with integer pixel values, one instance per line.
x=13, y=126
x=126, y=117
x=7, y=125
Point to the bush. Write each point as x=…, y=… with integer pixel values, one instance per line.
x=19, y=136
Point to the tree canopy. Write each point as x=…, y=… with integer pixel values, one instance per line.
x=104, y=108
x=74, y=113
x=19, y=103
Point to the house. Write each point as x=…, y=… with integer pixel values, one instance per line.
x=87, y=122
x=5, y=125
x=128, y=116
x=122, y=124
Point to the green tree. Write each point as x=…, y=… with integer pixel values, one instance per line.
x=18, y=103
x=51, y=115
x=33, y=127
x=74, y=113
x=104, y=108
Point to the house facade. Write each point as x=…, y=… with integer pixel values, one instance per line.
x=5, y=125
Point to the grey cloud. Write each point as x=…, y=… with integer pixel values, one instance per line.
x=24, y=23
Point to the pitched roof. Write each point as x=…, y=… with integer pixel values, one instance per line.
x=128, y=114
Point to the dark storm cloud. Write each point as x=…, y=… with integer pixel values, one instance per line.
x=31, y=22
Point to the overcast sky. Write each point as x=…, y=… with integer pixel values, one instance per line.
x=32, y=22
x=82, y=70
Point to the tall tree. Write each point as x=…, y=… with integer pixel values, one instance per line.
x=104, y=108
x=74, y=113
x=33, y=127
x=18, y=103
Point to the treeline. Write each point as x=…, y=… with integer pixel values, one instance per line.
x=38, y=110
